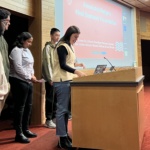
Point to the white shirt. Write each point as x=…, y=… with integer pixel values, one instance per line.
x=21, y=64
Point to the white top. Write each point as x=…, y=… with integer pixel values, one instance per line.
x=21, y=64
x=4, y=88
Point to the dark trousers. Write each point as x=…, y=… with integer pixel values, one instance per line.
x=50, y=104
x=22, y=94
x=69, y=107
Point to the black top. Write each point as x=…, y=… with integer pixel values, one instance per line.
x=62, y=54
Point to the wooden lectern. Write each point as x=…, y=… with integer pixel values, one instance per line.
x=107, y=110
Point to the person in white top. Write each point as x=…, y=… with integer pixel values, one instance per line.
x=21, y=80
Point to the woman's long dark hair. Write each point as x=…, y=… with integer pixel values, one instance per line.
x=21, y=38
x=71, y=30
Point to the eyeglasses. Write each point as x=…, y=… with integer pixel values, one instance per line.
x=5, y=21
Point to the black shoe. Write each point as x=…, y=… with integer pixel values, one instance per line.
x=64, y=143
x=70, y=117
x=29, y=134
x=69, y=138
x=21, y=138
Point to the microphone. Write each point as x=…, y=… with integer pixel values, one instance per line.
x=112, y=67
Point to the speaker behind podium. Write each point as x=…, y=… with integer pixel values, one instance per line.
x=107, y=110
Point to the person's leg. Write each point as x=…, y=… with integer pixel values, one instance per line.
x=67, y=117
x=49, y=97
x=54, y=105
x=69, y=113
x=27, y=114
x=63, y=93
x=19, y=91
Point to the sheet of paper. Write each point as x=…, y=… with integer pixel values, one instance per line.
x=41, y=81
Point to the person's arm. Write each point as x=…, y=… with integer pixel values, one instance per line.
x=16, y=57
x=33, y=77
x=46, y=64
x=62, y=54
x=32, y=73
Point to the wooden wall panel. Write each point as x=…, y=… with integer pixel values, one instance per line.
x=143, y=31
x=138, y=36
x=48, y=16
x=40, y=28
x=145, y=25
x=35, y=29
x=21, y=6
x=48, y=22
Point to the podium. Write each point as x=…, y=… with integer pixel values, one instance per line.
x=108, y=110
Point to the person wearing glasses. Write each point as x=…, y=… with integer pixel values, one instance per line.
x=4, y=25
x=4, y=88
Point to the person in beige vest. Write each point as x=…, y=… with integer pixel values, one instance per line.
x=4, y=68
x=64, y=68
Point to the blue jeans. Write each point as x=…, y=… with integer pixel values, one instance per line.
x=63, y=92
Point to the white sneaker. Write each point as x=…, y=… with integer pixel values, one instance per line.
x=54, y=121
x=50, y=124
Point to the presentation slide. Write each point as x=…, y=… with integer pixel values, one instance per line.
x=106, y=30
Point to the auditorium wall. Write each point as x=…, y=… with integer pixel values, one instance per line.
x=41, y=18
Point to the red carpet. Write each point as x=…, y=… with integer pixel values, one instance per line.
x=146, y=138
x=47, y=140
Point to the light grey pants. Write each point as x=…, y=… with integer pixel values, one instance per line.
x=63, y=92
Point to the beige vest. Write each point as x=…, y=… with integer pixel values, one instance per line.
x=58, y=73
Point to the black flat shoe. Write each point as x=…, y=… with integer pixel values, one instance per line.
x=29, y=134
x=64, y=143
x=69, y=138
x=21, y=138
